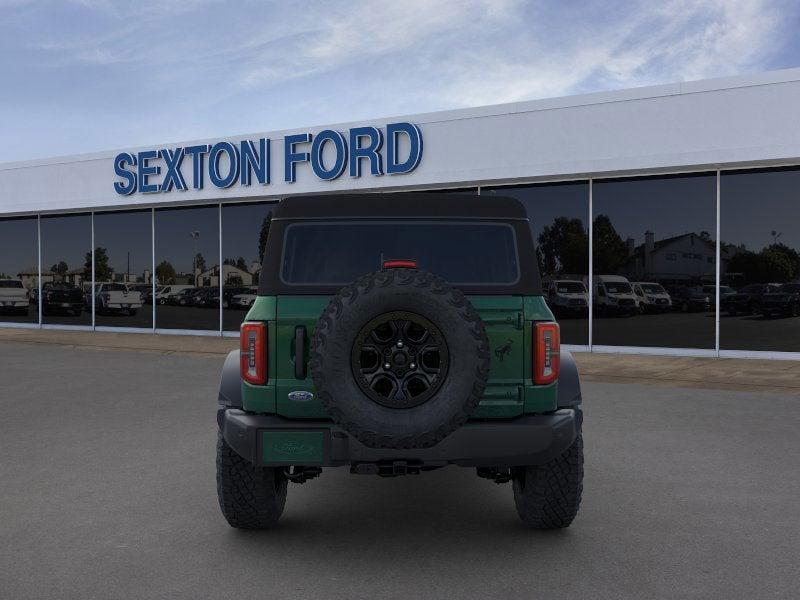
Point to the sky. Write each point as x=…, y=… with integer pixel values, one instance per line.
x=89, y=75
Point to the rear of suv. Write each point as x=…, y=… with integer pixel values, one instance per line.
x=395, y=334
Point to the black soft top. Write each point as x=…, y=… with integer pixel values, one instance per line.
x=424, y=205
x=405, y=205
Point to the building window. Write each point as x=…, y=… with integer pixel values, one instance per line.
x=187, y=268
x=244, y=236
x=67, y=269
x=640, y=227
x=760, y=255
x=559, y=214
x=19, y=270
x=123, y=266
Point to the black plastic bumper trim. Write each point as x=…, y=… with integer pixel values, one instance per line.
x=527, y=440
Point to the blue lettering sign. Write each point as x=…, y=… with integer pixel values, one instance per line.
x=340, y=149
x=396, y=150
x=393, y=132
x=371, y=151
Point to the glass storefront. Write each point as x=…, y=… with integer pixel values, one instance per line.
x=187, y=268
x=66, y=243
x=559, y=216
x=244, y=238
x=123, y=263
x=653, y=262
x=19, y=270
x=760, y=260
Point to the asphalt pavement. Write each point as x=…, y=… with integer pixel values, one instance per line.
x=107, y=491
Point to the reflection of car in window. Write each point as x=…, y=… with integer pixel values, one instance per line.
x=613, y=294
x=689, y=299
x=567, y=297
x=166, y=295
x=783, y=301
x=386, y=340
x=14, y=298
x=651, y=297
x=244, y=300
x=747, y=300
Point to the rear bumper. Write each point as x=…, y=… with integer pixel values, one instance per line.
x=527, y=440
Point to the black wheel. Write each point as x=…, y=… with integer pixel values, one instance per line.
x=132, y=312
x=548, y=496
x=384, y=364
x=250, y=497
x=685, y=307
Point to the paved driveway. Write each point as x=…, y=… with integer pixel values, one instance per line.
x=107, y=491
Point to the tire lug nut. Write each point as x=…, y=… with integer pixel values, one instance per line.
x=413, y=366
x=400, y=344
x=387, y=366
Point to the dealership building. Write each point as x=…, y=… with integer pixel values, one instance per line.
x=679, y=201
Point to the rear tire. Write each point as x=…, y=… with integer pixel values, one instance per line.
x=250, y=497
x=548, y=496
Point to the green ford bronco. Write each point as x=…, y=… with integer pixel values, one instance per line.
x=394, y=334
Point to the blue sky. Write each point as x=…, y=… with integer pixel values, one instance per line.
x=88, y=75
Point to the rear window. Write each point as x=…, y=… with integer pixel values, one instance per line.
x=336, y=253
x=6, y=283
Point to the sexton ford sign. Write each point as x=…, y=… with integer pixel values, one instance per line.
x=225, y=164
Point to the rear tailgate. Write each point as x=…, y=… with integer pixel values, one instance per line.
x=297, y=316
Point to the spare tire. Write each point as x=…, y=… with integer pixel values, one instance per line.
x=400, y=359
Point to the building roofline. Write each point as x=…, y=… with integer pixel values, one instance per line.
x=544, y=104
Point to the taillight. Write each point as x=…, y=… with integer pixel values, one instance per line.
x=546, y=353
x=253, y=352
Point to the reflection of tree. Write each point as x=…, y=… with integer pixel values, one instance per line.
x=563, y=247
x=609, y=252
x=102, y=271
x=60, y=268
x=262, y=237
x=165, y=273
x=200, y=262
x=239, y=263
x=776, y=263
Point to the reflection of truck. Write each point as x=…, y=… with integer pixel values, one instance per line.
x=565, y=296
x=114, y=298
x=613, y=294
x=14, y=298
x=168, y=293
x=651, y=297
x=61, y=298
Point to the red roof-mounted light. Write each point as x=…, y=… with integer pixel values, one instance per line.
x=399, y=263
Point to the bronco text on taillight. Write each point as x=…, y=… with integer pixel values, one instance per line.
x=546, y=352
x=253, y=352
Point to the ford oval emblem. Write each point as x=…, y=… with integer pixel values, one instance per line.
x=301, y=396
